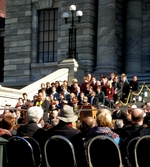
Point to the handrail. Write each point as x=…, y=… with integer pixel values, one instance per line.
x=135, y=94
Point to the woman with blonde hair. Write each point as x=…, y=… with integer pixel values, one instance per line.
x=104, y=127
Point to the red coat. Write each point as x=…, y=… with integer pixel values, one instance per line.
x=109, y=93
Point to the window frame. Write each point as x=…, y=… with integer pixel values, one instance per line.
x=47, y=48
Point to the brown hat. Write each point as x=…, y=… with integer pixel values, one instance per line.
x=67, y=114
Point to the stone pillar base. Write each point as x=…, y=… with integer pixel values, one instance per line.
x=76, y=69
x=106, y=70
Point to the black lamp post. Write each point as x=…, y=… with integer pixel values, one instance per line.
x=72, y=30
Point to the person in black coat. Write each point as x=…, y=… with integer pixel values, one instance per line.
x=132, y=131
x=134, y=84
x=34, y=117
x=65, y=128
x=125, y=90
x=118, y=89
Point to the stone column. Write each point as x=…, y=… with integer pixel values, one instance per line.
x=133, y=62
x=106, y=56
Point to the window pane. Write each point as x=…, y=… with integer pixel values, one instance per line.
x=51, y=26
x=51, y=38
x=50, y=46
x=41, y=26
x=41, y=47
x=56, y=14
x=41, y=15
x=55, y=46
x=46, y=25
x=56, y=35
x=51, y=15
x=46, y=15
x=40, y=57
x=46, y=36
x=56, y=25
x=51, y=56
x=46, y=47
x=46, y=57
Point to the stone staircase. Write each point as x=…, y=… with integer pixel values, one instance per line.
x=9, y=96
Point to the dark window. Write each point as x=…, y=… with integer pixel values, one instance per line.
x=47, y=35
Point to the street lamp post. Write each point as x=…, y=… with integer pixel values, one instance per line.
x=72, y=31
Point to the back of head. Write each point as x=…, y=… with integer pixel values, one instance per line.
x=127, y=119
x=8, y=121
x=89, y=122
x=104, y=110
x=137, y=115
x=34, y=114
x=118, y=123
x=104, y=119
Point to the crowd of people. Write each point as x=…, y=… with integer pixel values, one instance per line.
x=105, y=91
x=55, y=110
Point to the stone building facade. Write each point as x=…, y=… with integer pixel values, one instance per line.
x=113, y=36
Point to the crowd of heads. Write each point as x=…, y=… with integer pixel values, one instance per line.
x=65, y=99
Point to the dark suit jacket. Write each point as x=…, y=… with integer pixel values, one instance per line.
x=95, y=101
x=48, y=91
x=126, y=135
x=27, y=129
x=131, y=131
x=119, y=87
x=101, y=97
x=134, y=85
x=74, y=135
x=46, y=107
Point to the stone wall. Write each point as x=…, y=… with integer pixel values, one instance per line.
x=86, y=32
x=113, y=36
x=17, y=41
x=146, y=37
x=21, y=67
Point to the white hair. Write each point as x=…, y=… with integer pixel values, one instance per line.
x=118, y=123
x=35, y=113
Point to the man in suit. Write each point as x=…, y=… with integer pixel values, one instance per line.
x=45, y=105
x=100, y=95
x=93, y=99
x=118, y=88
x=130, y=132
x=34, y=117
x=134, y=84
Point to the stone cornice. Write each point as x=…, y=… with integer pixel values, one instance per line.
x=44, y=3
